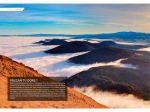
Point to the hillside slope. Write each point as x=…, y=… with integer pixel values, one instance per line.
x=106, y=54
x=123, y=46
x=10, y=68
x=55, y=42
x=75, y=46
x=140, y=63
x=51, y=42
x=114, y=79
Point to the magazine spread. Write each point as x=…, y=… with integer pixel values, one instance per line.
x=74, y=56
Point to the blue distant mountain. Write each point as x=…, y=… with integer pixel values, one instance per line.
x=129, y=33
x=117, y=33
x=125, y=36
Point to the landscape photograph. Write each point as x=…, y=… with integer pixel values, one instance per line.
x=103, y=50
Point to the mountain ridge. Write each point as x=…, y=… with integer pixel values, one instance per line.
x=106, y=54
x=75, y=46
x=51, y=42
x=122, y=32
x=114, y=79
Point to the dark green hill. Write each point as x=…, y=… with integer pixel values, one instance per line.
x=123, y=46
x=144, y=54
x=75, y=46
x=106, y=54
x=39, y=42
x=115, y=79
x=51, y=42
x=141, y=63
x=55, y=42
x=108, y=42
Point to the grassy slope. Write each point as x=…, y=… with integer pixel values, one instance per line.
x=10, y=68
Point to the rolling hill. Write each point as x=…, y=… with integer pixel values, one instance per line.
x=52, y=42
x=108, y=42
x=122, y=46
x=106, y=54
x=55, y=42
x=114, y=79
x=75, y=46
x=141, y=63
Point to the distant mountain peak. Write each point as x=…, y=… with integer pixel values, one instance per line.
x=128, y=32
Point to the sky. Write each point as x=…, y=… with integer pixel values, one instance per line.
x=74, y=18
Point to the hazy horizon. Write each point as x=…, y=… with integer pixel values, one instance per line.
x=74, y=34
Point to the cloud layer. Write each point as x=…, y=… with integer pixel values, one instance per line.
x=145, y=49
x=22, y=50
x=64, y=68
x=113, y=100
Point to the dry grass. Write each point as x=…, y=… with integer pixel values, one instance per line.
x=10, y=68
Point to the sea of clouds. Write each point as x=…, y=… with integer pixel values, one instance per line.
x=113, y=100
x=23, y=50
x=145, y=49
